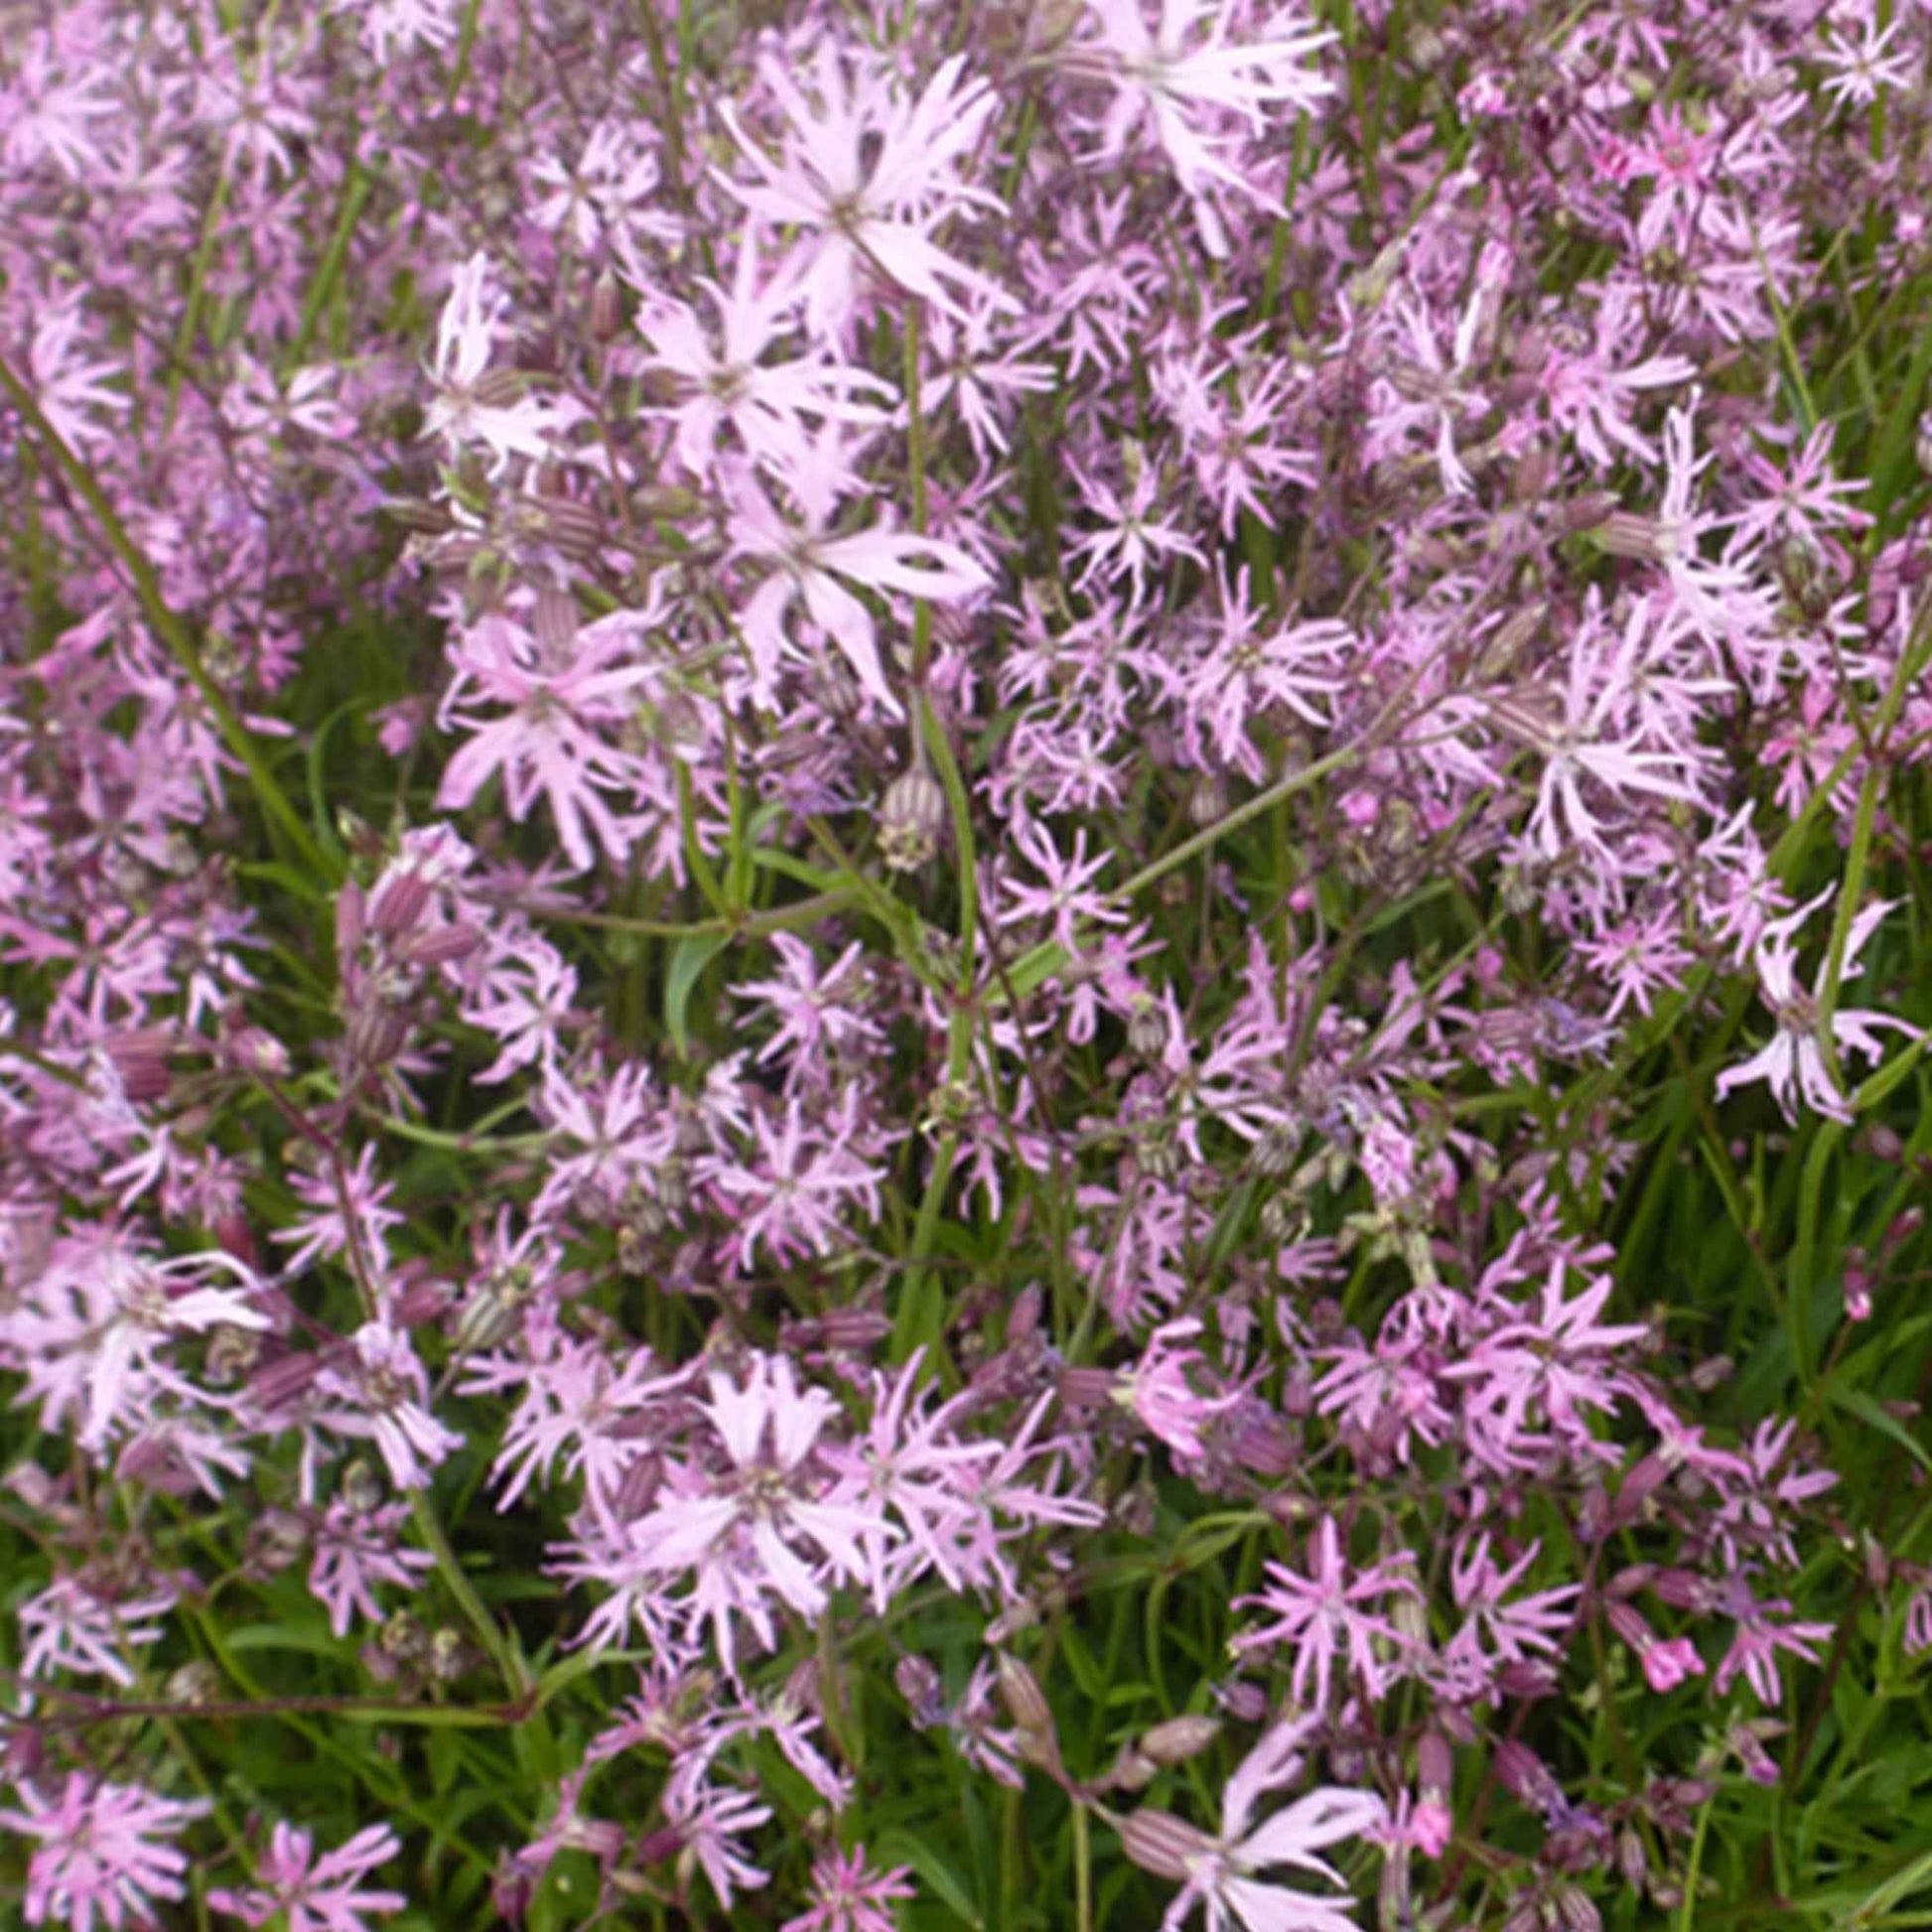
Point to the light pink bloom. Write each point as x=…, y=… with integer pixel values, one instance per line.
x=463, y=411
x=556, y=737
x=316, y=1895
x=1324, y=1617
x=97, y=1858
x=1189, y=78
x=1793, y=1062
x=867, y=176
x=849, y=1896
x=1219, y=1872
x=814, y=567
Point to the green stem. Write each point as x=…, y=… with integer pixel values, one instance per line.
x=502, y=1653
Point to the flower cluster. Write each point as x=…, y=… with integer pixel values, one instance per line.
x=1023, y=889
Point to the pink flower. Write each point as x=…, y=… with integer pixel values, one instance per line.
x=753, y=1514
x=465, y=411
x=382, y=1396
x=765, y=403
x=96, y=1859
x=814, y=567
x=1218, y=1873
x=1187, y=78
x=1324, y=1617
x=848, y=1895
x=354, y=1551
x=1665, y=1662
x=869, y=177
x=556, y=739
x=1160, y=1389
x=1793, y=1062
x=316, y=1895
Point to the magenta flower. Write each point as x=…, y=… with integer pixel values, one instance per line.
x=1324, y=1617
x=849, y=1896
x=556, y=739
x=322, y=1894
x=867, y=176
x=1793, y=1063
x=1218, y=1873
x=100, y=1853
x=815, y=566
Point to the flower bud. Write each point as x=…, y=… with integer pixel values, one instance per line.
x=283, y=1381
x=1159, y=1842
x=1025, y=1700
x=607, y=308
x=1180, y=1738
x=854, y=1329
x=918, y=1684
x=1207, y=802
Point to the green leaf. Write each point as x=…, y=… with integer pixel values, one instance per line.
x=941, y=1876
x=689, y=957
x=1854, y=1402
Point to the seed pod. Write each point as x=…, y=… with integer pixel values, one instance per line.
x=492, y=1312
x=575, y=528
x=1130, y=1771
x=911, y=820
x=1207, y=802
x=1146, y=1030
x=418, y=513
x=193, y=1683
x=1624, y=534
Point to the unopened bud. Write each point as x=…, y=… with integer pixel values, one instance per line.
x=399, y=904
x=854, y=1329
x=1166, y=1846
x=607, y=308
x=1180, y=1738
x=575, y=528
x=283, y=1381
x=918, y=1684
x=1025, y=1700
x=1576, y=1912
